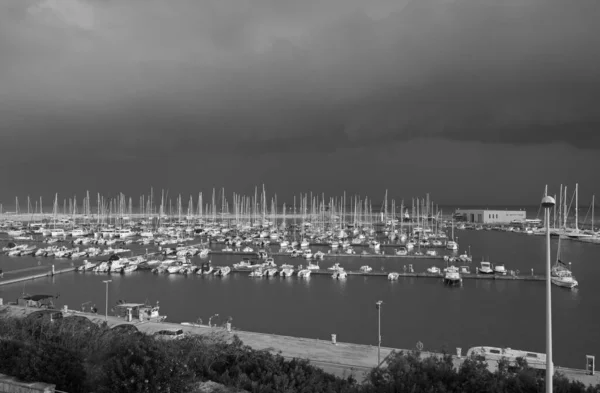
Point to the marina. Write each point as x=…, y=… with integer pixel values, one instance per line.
x=382, y=258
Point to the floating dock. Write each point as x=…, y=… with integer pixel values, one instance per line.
x=50, y=273
x=330, y=255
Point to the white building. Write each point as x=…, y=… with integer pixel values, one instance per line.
x=482, y=216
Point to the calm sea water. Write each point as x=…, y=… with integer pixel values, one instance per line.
x=481, y=312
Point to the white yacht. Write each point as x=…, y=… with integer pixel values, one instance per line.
x=313, y=266
x=57, y=232
x=431, y=253
x=560, y=275
x=366, y=269
x=305, y=273
x=452, y=276
x=485, y=268
x=335, y=267
x=270, y=272
x=130, y=268
x=401, y=251
x=433, y=270
x=77, y=232
x=451, y=245
x=256, y=273
x=339, y=275
x=123, y=233
x=563, y=278
x=223, y=271
x=500, y=269
x=287, y=271
x=393, y=276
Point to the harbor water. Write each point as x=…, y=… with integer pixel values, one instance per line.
x=503, y=313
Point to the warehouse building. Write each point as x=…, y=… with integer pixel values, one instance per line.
x=482, y=216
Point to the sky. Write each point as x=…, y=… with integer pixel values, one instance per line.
x=473, y=101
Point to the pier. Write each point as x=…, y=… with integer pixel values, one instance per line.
x=329, y=255
x=50, y=273
x=319, y=272
x=339, y=358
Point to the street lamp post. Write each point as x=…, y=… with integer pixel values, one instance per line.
x=548, y=203
x=378, y=305
x=106, y=308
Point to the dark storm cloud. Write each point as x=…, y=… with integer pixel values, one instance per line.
x=141, y=78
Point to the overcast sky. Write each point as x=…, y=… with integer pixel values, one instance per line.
x=473, y=101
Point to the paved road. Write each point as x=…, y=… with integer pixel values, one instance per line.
x=341, y=359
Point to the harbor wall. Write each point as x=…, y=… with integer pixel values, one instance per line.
x=10, y=384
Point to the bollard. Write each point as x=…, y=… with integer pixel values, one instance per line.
x=52, y=269
x=228, y=324
x=334, y=339
x=532, y=272
x=65, y=308
x=459, y=352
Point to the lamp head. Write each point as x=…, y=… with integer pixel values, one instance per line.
x=548, y=202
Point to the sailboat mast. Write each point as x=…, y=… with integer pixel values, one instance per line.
x=576, y=207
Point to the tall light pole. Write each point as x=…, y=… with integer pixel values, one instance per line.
x=378, y=305
x=548, y=203
x=106, y=308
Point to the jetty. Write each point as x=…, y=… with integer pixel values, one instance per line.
x=339, y=358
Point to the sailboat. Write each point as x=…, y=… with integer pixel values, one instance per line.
x=451, y=244
x=560, y=275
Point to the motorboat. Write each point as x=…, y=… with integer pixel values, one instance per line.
x=244, y=264
x=129, y=268
x=452, y=276
x=433, y=270
x=393, y=276
x=431, y=253
x=485, y=268
x=335, y=267
x=256, y=273
x=340, y=274
x=401, y=251
x=87, y=265
x=270, y=272
x=313, y=266
x=222, y=271
x=366, y=269
x=305, y=273
x=319, y=255
x=287, y=271
x=500, y=269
